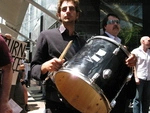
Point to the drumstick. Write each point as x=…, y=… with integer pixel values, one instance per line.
x=65, y=50
x=61, y=57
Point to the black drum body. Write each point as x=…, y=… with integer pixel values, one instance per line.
x=94, y=76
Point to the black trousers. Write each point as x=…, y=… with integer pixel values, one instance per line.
x=59, y=107
x=127, y=93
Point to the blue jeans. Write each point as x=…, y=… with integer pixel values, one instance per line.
x=141, y=101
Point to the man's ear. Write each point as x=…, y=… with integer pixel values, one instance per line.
x=58, y=16
x=77, y=16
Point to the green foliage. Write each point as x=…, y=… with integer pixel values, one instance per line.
x=131, y=36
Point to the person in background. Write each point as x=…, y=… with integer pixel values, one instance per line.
x=50, y=45
x=20, y=98
x=111, y=28
x=141, y=101
x=19, y=91
x=21, y=85
x=23, y=98
x=6, y=76
x=23, y=75
x=26, y=64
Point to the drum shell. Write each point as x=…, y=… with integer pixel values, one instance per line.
x=88, y=67
x=96, y=56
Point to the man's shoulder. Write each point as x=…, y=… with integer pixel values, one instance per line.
x=136, y=50
x=53, y=33
x=55, y=30
x=50, y=34
x=105, y=35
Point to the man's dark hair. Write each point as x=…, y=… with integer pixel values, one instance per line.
x=76, y=3
x=104, y=22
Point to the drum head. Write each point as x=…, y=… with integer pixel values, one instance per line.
x=80, y=94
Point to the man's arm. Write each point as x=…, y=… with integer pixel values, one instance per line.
x=6, y=82
x=6, y=86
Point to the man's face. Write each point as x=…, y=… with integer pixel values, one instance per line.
x=113, y=26
x=146, y=42
x=68, y=12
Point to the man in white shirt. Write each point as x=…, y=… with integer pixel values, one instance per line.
x=141, y=101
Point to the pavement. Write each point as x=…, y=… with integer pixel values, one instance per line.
x=35, y=102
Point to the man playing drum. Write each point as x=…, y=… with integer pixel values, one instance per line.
x=50, y=45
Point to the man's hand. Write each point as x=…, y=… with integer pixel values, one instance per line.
x=5, y=108
x=137, y=81
x=21, y=67
x=52, y=65
x=8, y=36
x=131, y=61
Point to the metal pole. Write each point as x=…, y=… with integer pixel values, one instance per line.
x=42, y=9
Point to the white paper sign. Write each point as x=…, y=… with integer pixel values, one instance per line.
x=17, y=49
x=14, y=106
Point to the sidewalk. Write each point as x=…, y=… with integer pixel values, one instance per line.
x=35, y=104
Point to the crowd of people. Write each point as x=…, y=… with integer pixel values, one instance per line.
x=49, y=47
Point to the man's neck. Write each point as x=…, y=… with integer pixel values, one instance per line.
x=144, y=48
x=70, y=27
x=110, y=34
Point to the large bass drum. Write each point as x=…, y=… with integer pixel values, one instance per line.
x=93, y=78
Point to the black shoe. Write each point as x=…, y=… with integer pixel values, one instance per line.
x=27, y=108
x=26, y=82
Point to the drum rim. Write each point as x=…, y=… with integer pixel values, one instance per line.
x=90, y=83
x=111, y=40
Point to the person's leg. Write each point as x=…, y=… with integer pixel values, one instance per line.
x=138, y=98
x=146, y=97
x=43, y=90
x=119, y=107
x=48, y=111
x=25, y=97
x=29, y=78
x=19, y=97
x=120, y=103
x=59, y=107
